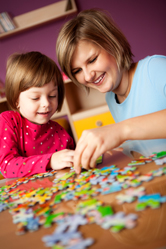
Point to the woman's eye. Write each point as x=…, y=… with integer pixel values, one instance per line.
x=93, y=60
x=35, y=98
x=77, y=71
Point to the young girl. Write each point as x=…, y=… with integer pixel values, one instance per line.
x=94, y=53
x=30, y=142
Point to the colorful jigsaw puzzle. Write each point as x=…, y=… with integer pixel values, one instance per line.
x=37, y=207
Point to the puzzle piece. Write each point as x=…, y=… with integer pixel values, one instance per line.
x=157, y=155
x=51, y=218
x=42, y=211
x=84, y=206
x=158, y=172
x=58, y=198
x=152, y=200
x=115, y=187
x=105, y=210
x=149, y=203
x=99, y=160
x=67, y=175
x=58, y=247
x=96, y=180
x=136, y=192
x=32, y=224
x=82, y=244
x=51, y=240
x=3, y=206
x=71, y=223
x=145, y=178
x=124, y=198
x=160, y=161
x=122, y=178
x=21, y=228
x=138, y=162
x=134, y=182
x=22, y=215
x=119, y=221
x=155, y=197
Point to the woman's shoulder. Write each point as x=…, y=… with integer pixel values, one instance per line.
x=155, y=63
x=152, y=69
x=153, y=59
x=151, y=64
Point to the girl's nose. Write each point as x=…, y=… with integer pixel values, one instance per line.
x=45, y=102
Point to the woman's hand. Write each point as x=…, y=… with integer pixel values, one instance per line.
x=61, y=159
x=93, y=143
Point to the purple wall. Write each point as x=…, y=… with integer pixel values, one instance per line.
x=143, y=22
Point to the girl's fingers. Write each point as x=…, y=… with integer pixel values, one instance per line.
x=68, y=152
x=68, y=159
x=68, y=164
x=63, y=165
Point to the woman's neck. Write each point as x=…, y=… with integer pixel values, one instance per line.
x=126, y=83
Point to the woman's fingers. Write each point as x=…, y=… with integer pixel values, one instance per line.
x=79, y=151
x=87, y=156
x=87, y=151
x=94, y=143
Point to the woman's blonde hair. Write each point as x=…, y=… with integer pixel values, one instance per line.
x=96, y=26
x=32, y=69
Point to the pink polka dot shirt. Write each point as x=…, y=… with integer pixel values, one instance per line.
x=25, y=147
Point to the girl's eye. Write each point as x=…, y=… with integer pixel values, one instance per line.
x=93, y=60
x=53, y=96
x=35, y=98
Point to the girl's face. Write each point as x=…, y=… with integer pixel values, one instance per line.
x=93, y=67
x=38, y=104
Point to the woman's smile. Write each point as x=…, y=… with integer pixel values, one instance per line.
x=100, y=80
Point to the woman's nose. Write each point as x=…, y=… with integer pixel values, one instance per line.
x=89, y=75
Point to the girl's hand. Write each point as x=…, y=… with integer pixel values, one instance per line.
x=62, y=159
x=93, y=143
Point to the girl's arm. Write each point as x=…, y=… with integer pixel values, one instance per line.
x=14, y=165
x=95, y=142
x=14, y=161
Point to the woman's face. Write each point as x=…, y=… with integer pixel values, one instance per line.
x=93, y=67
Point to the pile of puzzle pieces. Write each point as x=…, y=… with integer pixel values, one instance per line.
x=36, y=207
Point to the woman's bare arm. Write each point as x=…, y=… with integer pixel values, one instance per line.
x=95, y=142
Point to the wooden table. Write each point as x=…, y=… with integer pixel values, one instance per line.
x=149, y=233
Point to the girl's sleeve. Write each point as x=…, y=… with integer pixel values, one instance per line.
x=71, y=144
x=12, y=163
